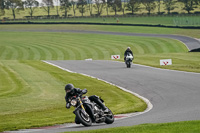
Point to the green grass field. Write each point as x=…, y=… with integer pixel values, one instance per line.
x=66, y=46
x=175, y=127
x=32, y=92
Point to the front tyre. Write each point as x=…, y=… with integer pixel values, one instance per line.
x=128, y=64
x=83, y=118
x=109, y=117
x=76, y=121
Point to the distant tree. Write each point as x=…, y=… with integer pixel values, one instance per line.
x=65, y=5
x=2, y=7
x=134, y=5
x=197, y=2
x=116, y=5
x=2, y=4
x=124, y=6
x=169, y=5
x=15, y=6
x=99, y=5
x=90, y=6
x=73, y=3
x=149, y=5
x=31, y=5
x=158, y=4
x=189, y=5
x=81, y=5
x=108, y=5
x=47, y=5
x=57, y=6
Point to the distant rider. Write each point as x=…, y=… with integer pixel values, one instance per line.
x=71, y=91
x=128, y=50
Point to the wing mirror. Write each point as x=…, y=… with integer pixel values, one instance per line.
x=84, y=91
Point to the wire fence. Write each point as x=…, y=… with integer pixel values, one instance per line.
x=186, y=21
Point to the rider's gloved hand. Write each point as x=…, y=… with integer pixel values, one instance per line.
x=68, y=105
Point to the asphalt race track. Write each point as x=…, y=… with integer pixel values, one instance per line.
x=175, y=95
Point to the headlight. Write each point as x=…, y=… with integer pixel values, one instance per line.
x=73, y=102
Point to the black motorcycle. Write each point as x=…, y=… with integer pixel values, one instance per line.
x=88, y=112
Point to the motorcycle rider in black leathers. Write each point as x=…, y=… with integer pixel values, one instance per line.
x=71, y=91
x=128, y=50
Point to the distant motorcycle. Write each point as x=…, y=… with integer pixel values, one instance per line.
x=88, y=112
x=129, y=59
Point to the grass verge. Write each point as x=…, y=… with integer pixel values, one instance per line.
x=174, y=127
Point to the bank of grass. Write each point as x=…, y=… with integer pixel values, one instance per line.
x=32, y=95
x=174, y=127
x=67, y=46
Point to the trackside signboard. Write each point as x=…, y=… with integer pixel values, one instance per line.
x=165, y=62
x=115, y=56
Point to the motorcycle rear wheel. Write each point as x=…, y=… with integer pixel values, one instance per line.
x=82, y=118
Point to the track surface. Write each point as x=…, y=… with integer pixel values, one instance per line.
x=175, y=95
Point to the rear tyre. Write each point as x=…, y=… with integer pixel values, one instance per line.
x=82, y=118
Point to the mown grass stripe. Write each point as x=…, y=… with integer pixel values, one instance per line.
x=74, y=52
x=94, y=50
x=2, y=49
x=5, y=81
x=83, y=51
x=52, y=51
x=16, y=85
x=35, y=53
x=158, y=45
x=42, y=54
x=47, y=51
x=21, y=54
x=9, y=53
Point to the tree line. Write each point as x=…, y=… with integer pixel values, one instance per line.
x=83, y=5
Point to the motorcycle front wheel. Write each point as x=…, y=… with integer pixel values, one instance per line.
x=83, y=118
x=128, y=64
x=109, y=117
